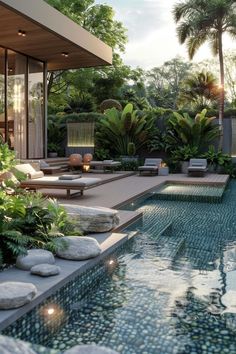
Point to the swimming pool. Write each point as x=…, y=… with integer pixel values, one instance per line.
x=170, y=290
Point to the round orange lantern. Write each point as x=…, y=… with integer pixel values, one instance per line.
x=75, y=160
x=87, y=158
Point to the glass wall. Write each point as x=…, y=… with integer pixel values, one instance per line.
x=36, y=110
x=2, y=94
x=22, y=104
x=16, y=103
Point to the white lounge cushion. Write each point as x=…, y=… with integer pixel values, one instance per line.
x=55, y=181
x=29, y=171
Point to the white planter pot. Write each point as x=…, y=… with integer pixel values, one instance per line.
x=184, y=167
x=163, y=171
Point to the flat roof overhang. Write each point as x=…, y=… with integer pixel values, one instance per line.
x=48, y=34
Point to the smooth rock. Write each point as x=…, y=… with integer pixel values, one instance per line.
x=78, y=248
x=90, y=349
x=34, y=257
x=45, y=270
x=93, y=219
x=16, y=294
x=12, y=346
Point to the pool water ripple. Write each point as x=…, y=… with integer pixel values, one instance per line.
x=172, y=290
x=173, y=293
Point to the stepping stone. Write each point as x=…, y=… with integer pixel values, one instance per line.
x=45, y=270
x=34, y=257
x=90, y=349
x=78, y=248
x=16, y=294
x=14, y=346
x=93, y=219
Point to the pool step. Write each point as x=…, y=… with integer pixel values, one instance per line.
x=164, y=244
x=189, y=193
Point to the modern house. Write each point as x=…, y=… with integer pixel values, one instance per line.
x=34, y=39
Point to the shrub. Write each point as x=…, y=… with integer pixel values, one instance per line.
x=185, y=153
x=131, y=149
x=117, y=129
x=110, y=103
x=7, y=158
x=216, y=158
x=29, y=220
x=184, y=130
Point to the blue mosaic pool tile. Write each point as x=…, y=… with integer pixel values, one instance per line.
x=169, y=291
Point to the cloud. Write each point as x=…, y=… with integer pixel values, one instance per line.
x=152, y=32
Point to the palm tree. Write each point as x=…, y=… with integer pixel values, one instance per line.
x=199, y=90
x=206, y=20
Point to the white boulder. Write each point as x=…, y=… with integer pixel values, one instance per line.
x=34, y=257
x=16, y=294
x=93, y=219
x=45, y=270
x=13, y=346
x=77, y=248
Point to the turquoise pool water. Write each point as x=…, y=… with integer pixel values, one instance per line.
x=171, y=290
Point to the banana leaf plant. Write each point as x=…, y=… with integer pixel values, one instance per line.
x=118, y=129
x=198, y=131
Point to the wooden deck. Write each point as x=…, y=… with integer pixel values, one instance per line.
x=116, y=193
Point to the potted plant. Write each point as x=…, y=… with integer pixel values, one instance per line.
x=183, y=155
x=216, y=159
x=53, y=150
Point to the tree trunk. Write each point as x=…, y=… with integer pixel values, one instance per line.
x=222, y=91
x=50, y=82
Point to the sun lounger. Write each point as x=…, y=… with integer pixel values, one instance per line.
x=67, y=182
x=151, y=166
x=105, y=165
x=197, y=167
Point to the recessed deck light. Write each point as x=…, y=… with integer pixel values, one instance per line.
x=21, y=33
x=65, y=54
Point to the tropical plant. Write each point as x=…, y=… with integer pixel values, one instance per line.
x=101, y=153
x=229, y=169
x=56, y=134
x=199, y=90
x=118, y=129
x=81, y=103
x=216, y=158
x=129, y=165
x=29, y=220
x=52, y=147
x=157, y=141
x=131, y=149
x=184, y=130
x=7, y=158
x=206, y=20
x=185, y=153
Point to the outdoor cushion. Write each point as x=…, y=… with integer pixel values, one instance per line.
x=36, y=174
x=43, y=164
x=151, y=164
x=148, y=168
x=196, y=164
x=107, y=161
x=29, y=171
x=52, y=181
x=69, y=177
x=197, y=168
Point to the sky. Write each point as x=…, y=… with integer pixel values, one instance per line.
x=152, y=32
